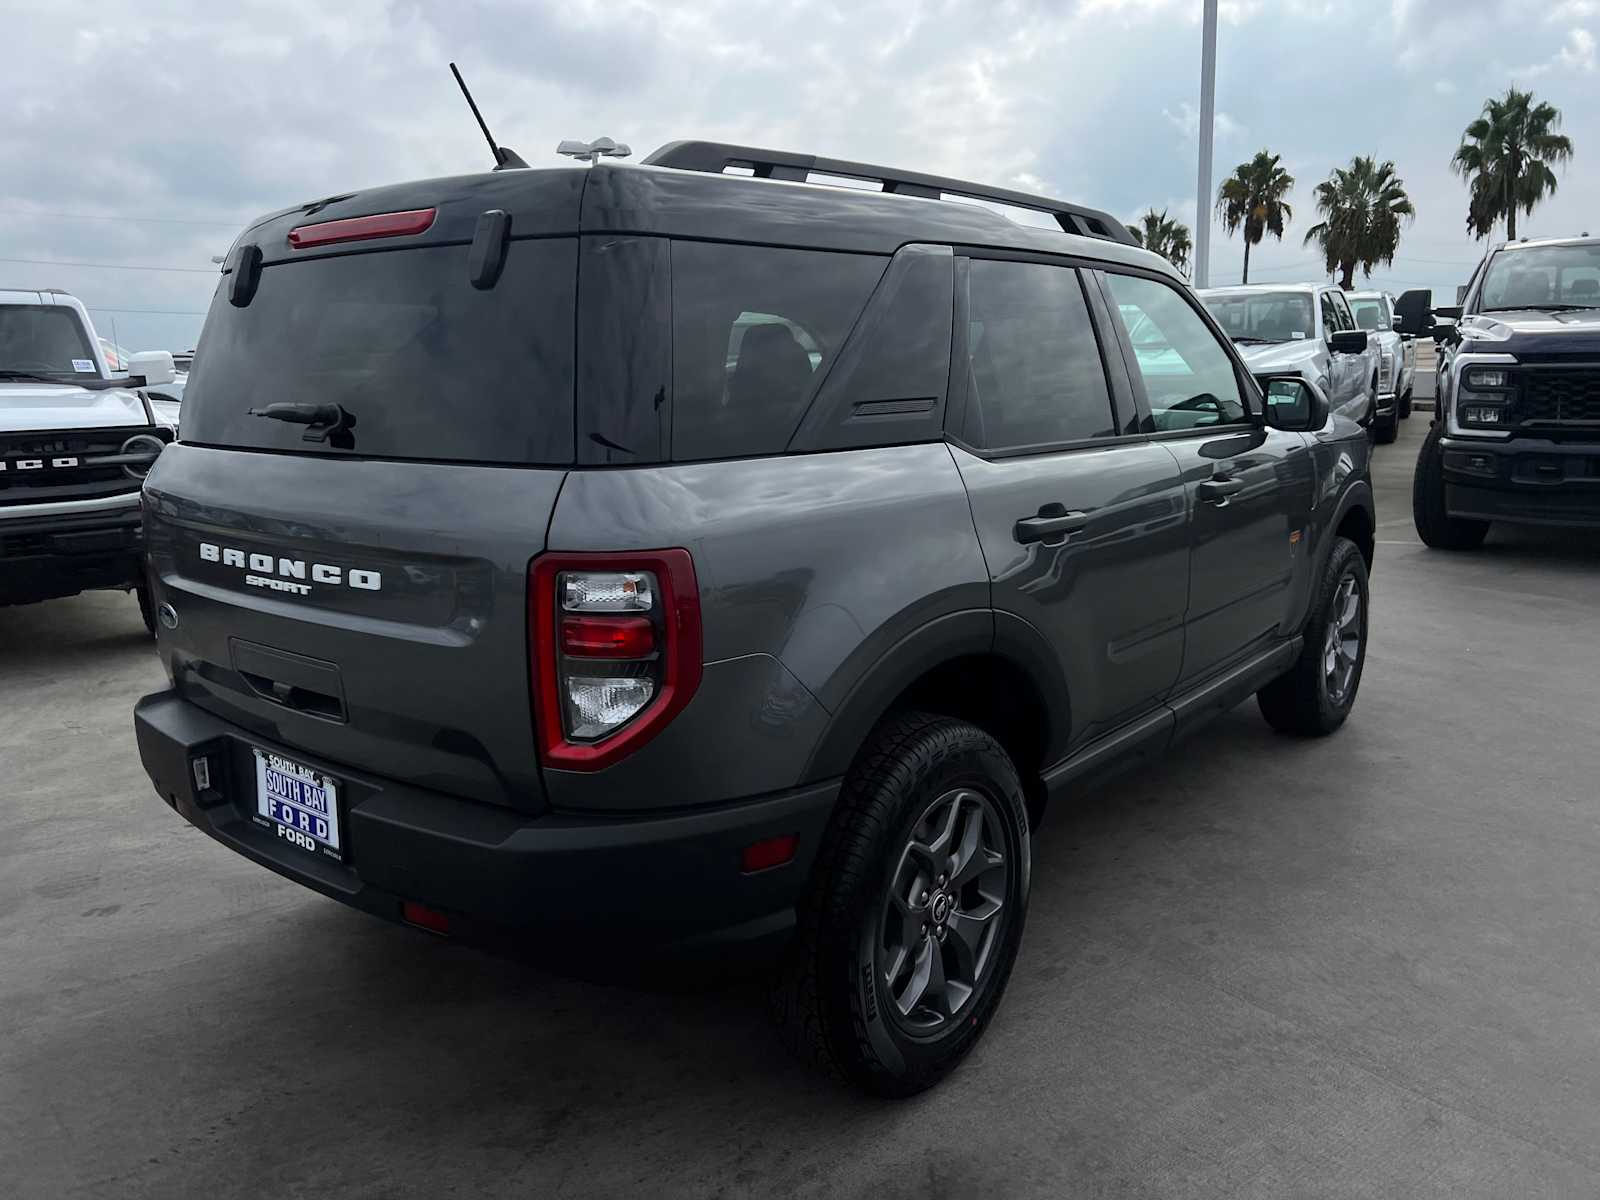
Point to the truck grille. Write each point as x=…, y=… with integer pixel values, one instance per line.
x=1566, y=394
x=39, y=468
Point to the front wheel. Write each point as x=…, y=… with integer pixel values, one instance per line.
x=1386, y=429
x=916, y=906
x=1314, y=697
x=1435, y=526
x=1404, y=407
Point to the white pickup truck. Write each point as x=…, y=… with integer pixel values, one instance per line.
x=76, y=441
x=1397, y=369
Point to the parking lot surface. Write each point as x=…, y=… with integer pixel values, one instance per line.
x=1362, y=966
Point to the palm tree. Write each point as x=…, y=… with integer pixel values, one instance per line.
x=1362, y=207
x=1253, y=196
x=1167, y=236
x=1506, y=156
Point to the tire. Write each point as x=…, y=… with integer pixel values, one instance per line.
x=846, y=1001
x=147, y=607
x=1386, y=429
x=1304, y=700
x=1403, y=409
x=1435, y=526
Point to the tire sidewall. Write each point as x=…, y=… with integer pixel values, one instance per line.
x=914, y=1062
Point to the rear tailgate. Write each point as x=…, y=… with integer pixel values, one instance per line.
x=358, y=591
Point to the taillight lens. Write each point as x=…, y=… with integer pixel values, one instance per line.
x=616, y=645
x=361, y=229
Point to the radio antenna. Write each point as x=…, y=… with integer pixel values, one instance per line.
x=504, y=156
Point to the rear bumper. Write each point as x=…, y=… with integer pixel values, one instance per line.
x=45, y=557
x=668, y=882
x=1533, y=481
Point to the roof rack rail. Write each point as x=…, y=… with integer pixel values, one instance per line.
x=715, y=157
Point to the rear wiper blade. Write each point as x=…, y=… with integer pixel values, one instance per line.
x=323, y=422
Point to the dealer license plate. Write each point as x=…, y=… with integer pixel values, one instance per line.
x=300, y=805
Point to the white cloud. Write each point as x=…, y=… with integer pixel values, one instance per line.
x=1577, y=53
x=1572, y=10
x=1444, y=87
x=1187, y=122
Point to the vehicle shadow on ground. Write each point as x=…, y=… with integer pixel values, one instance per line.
x=448, y=1053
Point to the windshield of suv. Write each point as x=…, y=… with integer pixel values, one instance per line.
x=1542, y=277
x=44, y=340
x=1370, y=313
x=1262, y=316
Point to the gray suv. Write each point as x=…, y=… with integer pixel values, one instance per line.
x=695, y=556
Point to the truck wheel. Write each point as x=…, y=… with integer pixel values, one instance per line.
x=915, y=909
x=1314, y=696
x=1435, y=526
x=1404, y=407
x=147, y=607
x=1386, y=429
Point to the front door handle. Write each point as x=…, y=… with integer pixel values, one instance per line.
x=1053, y=521
x=1218, y=488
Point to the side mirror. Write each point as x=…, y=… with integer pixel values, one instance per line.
x=1294, y=403
x=1413, y=312
x=153, y=366
x=1348, y=341
x=1445, y=319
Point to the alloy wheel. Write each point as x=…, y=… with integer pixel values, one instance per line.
x=1341, y=649
x=945, y=909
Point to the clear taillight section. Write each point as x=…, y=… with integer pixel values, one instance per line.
x=615, y=644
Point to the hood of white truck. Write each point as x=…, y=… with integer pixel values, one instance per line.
x=37, y=407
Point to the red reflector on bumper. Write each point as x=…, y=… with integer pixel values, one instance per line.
x=769, y=852
x=423, y=917
x=359, y=229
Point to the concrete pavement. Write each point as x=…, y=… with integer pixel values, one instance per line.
x=1363, y=966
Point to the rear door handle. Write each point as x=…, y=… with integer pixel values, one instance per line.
x=1053, y=521
x=1218, y=488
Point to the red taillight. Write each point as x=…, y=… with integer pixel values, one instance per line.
x=615, y=647
x=424, y=917
x=360, y=229
x=769, y=852
x=607, y=637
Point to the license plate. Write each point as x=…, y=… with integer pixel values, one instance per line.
x=298, y=804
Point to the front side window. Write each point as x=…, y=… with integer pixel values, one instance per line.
x=1346, y=321
x=1188, y=376
x=1330, y=314
x=1035, y=374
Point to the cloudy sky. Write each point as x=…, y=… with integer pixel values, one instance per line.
x=143, y=134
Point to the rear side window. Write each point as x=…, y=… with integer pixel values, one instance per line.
x=754, y=330
x=428, y=366
x=1035, y=375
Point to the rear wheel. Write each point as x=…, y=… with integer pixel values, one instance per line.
x=1386, y=429
x=908, y=935
x=1435, y=526
x=1314, y=697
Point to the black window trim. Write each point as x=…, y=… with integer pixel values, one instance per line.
x=1249, y=390
x=958, y=397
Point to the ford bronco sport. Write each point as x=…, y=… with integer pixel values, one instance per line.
x=686, y=557
x=75, y=444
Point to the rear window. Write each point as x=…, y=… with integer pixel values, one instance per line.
x=429, y=366
x=754, y=330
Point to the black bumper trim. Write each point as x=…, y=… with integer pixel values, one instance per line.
x=661, y=881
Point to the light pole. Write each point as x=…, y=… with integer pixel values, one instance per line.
x=1208, y=101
